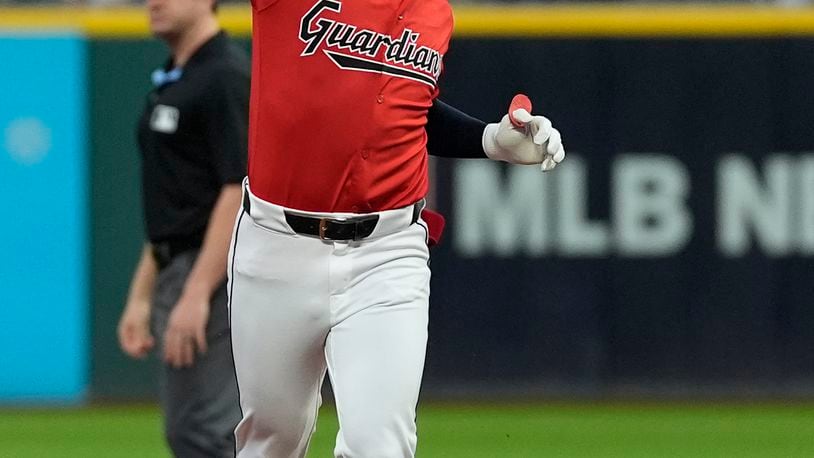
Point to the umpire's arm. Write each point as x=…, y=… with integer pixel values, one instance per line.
x=227, y=130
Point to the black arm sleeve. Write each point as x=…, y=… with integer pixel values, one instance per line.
x=453, y=133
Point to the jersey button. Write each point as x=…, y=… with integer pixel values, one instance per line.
x=401, y=17
x=380, y=99
x=365, y=153
x=355, y=209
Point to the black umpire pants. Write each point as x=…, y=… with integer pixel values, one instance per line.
x=200, y=403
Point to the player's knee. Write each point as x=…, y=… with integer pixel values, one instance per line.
x=368, y=440
x=273, y=435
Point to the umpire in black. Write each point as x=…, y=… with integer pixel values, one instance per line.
x=193, y=139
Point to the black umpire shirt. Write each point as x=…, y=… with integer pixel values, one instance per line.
x=193, y=139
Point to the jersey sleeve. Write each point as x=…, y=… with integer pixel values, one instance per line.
x=453, y=133
x=227, y=125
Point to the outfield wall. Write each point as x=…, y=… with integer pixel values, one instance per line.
x=44, y=331
x=671, y=254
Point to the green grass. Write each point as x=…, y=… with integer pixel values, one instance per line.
x=538, y=430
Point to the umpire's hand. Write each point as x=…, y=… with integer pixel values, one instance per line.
x=186, y=330
x=134, y=330
x=533, y=141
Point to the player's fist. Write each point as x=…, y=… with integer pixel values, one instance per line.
x=134, y=330
x=533, y=140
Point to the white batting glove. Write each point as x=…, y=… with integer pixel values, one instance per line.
x=537, y=142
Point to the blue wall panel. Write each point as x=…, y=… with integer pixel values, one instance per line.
x=44, y=302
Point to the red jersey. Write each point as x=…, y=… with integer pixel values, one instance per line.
x=339, y=100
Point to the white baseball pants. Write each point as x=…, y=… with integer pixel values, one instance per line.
x=300, y=305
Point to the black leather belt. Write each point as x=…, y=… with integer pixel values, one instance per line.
x=351, y=228
x=164, y=252
x=354, y=228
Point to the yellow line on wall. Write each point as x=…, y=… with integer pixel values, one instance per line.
x=120, y=22
x=619, y=20
x=573, y=21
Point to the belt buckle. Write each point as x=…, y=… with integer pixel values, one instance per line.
x=323, y=226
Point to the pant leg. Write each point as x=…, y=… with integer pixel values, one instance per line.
x=376, y=351
x=199, y=403
x=279, y=317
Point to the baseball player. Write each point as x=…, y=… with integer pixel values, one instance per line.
x=193, y=139
x=329, y=262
